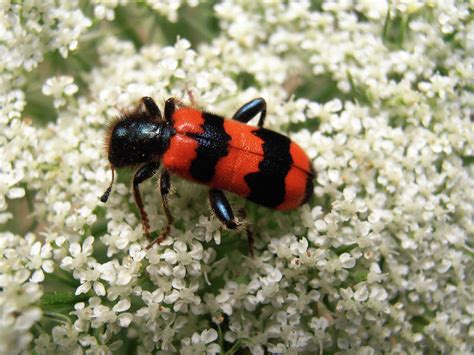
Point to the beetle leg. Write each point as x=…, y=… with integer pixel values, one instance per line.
x=250, y=110
x=165, y=186
x=223, y=212
x=151, y=108
x=144, y=173
x=222, y=209
x=170, y=106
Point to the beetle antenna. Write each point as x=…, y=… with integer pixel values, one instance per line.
x=106, y=194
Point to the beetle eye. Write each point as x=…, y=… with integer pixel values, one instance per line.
x=106, y=194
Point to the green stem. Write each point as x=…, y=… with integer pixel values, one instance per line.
x=221, y=337
x=57, y=317
x=387, y=22
x=60, y=298
x=234, y=348
x=403, y=29
x=64, y=279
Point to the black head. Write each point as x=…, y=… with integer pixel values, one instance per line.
x=135, y=137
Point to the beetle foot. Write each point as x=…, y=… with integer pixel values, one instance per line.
x=159, y=239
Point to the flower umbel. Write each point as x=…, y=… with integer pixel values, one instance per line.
x=379, y=96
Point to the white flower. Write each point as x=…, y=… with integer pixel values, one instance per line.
x=201, y=343
x=378, y=95
x=79, y=254
x=347, y=261
x=19, y=293
x=37, y=261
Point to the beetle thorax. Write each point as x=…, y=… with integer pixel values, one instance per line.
x=135, y=142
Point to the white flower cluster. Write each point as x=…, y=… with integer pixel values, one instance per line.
x=379, y=96
x=31, y=29
x=105, y=9
x=22, y=263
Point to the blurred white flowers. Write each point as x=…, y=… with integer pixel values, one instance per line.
x=379, y=96
x=59, y=87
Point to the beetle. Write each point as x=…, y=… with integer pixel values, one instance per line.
x=256, y=163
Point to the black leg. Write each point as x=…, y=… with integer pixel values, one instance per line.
x=151, y=107
x=223, y=212
x=170, y=106
x=250, y=110
x=165, y=186
x=222, y=209
x=142, y=174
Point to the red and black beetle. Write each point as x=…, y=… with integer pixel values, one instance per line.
x=227, y=155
